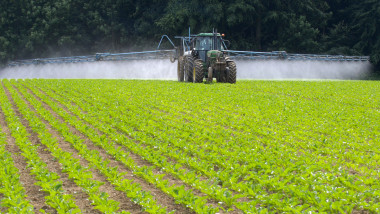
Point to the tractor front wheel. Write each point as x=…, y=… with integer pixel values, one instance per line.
x=231, y=75
x=198, y=73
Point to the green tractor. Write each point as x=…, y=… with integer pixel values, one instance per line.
x=202, y=57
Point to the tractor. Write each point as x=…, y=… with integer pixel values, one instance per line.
x=202, y=57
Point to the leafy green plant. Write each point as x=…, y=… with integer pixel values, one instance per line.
x=47, y=180
x=10, y=186
x=257, y=146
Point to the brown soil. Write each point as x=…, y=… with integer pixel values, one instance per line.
x=139, y=161
x=34, y=195
x=161, y=197
x=71, y=188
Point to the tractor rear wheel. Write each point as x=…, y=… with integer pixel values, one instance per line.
x=198, y=73
x=180, y=70
x=188, y=62
x=231, y=75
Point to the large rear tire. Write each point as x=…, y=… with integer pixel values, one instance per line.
x=188, y=68
x=198, y=73
x=231, y=75
x=180, y=70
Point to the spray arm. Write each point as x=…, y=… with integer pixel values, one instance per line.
x=172, y=57
x=165, y=36
x=282, y=55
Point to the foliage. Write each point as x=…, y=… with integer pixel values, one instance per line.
x=367, y=26
x=47, y=180
x=257, y=146
x=33, y=29
x=10, y=185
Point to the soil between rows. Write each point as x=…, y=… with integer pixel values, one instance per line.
x=159, y=196
x=141, y=162
x=68, y=185
x=138, y=160
x=34, y=195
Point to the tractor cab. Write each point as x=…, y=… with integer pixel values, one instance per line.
x=204, y=42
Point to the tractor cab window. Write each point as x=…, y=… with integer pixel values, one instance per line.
x=203, y=43
x=206, y=43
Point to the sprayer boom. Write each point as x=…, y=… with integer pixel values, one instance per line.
x=282, y=55
x=157, y=54
x=188, y=43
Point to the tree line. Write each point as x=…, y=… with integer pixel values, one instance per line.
x=44, y=28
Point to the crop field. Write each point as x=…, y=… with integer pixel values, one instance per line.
x=133, y=146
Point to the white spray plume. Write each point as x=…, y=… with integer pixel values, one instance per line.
x=163, y=69
x=136, y=69
x=276, y=69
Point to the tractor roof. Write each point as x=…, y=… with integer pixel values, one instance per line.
x=208, y=34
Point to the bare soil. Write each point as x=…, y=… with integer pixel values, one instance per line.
x=36, y=197
x=141, y=162
x=138, y=160
x=162, y=198
x=82, y=198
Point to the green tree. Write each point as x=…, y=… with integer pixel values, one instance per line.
x=299, y=36
x=41, y=28
x=199, y=15
x=366, y=24
x=13, y=27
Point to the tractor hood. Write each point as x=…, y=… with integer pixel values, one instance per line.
x=214, y=54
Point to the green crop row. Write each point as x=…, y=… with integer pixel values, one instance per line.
x=156, y=158
x=251, y=147
x=154, y=154
x=132, y=190
x=47, y=180
x=81, y=176
x=14, y=197
x=144, y=122
x=177, y=192
x=261, y=146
